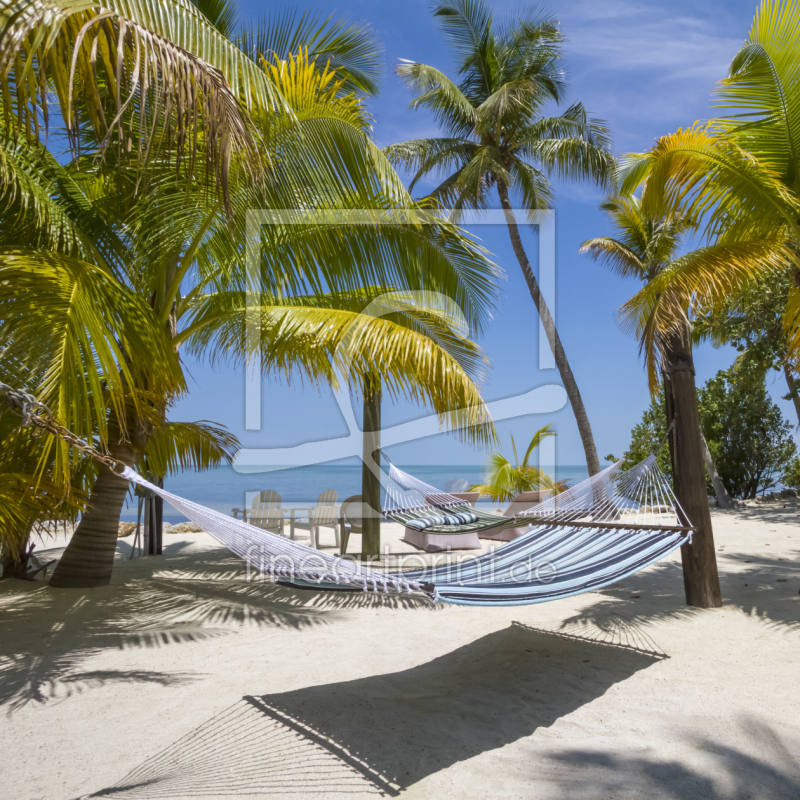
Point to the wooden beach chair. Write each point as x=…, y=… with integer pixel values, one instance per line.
x=267, y=513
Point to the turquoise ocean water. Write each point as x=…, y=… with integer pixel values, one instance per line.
x=223, y=488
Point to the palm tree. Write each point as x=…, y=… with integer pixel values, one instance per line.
x=647, y=249
x=497, y=136
x=122, y=278
x=504, y=480
x=738, y=175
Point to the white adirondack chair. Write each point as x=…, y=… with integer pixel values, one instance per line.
x=266, y=512
x=324, y=515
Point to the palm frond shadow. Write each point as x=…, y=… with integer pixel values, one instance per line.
x=178, y=600
x=764, y=767
x=766, y=588
x=39, y=678
x=383, y=733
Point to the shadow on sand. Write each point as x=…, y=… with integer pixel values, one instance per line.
x=386, y=732
x=764, y=768
x=48, y=637
x=761, y=587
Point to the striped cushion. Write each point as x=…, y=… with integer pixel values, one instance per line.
x=461, y=518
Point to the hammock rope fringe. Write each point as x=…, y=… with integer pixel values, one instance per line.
x=603, y=529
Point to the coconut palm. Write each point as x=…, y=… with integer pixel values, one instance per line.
x=738, y=175
x=497, y=136
x=122, y=278
x=504, y=480
x=647, y=249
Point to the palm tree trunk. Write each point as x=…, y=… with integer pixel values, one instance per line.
x=553, y=339
x=700, y=577
x=370, y=482
x=89, y=558
x=793, y=388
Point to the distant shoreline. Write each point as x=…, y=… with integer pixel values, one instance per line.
x=223, y=488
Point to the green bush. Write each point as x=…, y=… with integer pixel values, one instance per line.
x=747, y=435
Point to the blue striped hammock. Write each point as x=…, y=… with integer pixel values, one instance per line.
x=598, y=532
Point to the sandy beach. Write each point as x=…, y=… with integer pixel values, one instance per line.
x=183, y=680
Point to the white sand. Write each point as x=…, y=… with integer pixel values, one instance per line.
x=182, y=680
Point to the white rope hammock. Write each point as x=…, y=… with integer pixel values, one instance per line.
x=605, y=528
x=276, y=555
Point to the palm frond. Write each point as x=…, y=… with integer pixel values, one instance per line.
x=85, y=337
x=705, y=277
x=351, y=49
x=616, y=255
x=532, y=185
x=471, y=184
x=708, y=176
x=543, y=433
x=43, y=206
x=148, y=75
x=762, y=90
x=440, y=96
x=434, y=155
x=585, y=156
x=318, y=343
x=177, y=446
x=314, y=90
x=467, y=24
x=222, y=14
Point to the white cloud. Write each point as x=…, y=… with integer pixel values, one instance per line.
x=646, y=68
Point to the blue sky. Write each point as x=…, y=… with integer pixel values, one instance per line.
x=646, y=69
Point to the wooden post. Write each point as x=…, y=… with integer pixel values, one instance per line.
x=700, y=577
x=370, y=482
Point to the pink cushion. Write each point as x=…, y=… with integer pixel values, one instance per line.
x=439, y=542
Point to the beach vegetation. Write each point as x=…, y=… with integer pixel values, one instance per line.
x=504, y=480
x=748, y=436
x=752, y=322
x=791, y=475
x=134, y=249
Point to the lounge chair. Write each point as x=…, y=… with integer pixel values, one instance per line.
x=323, y=515
x=444, y=537
x=266, y=512
x=351, y=517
